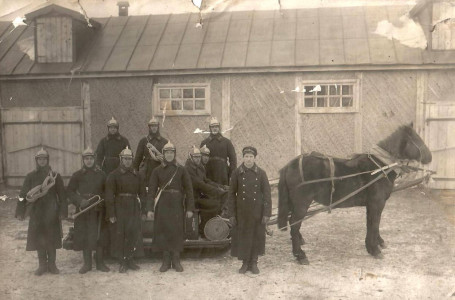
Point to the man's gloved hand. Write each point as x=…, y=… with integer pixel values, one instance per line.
x=189, y=214
x=265, y=220
x=233, y=221
x=84, y=203
x=113, y=220
x=226, y=187
x=150, y=215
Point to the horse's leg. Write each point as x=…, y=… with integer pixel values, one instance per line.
x=296, y=239
x=381, y=242
x=300, y=208
x=375, y=205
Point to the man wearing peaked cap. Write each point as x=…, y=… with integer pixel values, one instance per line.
x=223, y=160
x=109, y=147
x=90, y=228
x=170, y=195
x=48, y=207
x=250, y=207
x=125, y=205
x=148, y=153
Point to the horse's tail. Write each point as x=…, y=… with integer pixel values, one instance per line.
x=283, y=200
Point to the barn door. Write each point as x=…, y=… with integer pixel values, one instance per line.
x=25, y=131
x=440, y=138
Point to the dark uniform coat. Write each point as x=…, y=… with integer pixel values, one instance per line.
x=108, y=150
x=90, y=228
x=249, y=200
x=143, y=154
x=125, y=199
x=221, y=151
x=176, y=198
x=45, y=226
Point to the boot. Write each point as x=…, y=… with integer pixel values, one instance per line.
x=42, y=260
x=100, y=266
x=132, y=265
x=254, y=267
x=166, y=265
x=123, y=266
x=51, y=257
x=244, y=267
x=176, y=262
x=87, y=254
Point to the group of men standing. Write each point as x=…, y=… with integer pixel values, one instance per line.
x=149, y=185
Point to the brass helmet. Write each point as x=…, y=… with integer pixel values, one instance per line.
x=112, y=122
x=204, y=150
x=126, y=153
x=214, y=122
x=169, y=147
x=88, y=152
x=153, y=121
x=42, y=153
x=194, y=152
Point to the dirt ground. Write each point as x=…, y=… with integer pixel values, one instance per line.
x=419, y=263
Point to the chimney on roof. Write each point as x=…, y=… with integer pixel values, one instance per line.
x=123, y=8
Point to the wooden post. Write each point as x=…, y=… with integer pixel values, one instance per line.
x=2, y=148
x=422, y=83
x=226, y=105
x=298, y=119
x=358, y=118
x=87, y=117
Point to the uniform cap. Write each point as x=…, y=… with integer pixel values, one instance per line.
x=169, y=147
x=88, y=152
x=42, y=153
x=126, y=152
x=153, y=121
x=112, y=122
x=249, y=149
x=205, y=150
x=214, y=122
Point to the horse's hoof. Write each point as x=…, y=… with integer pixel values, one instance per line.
x=379, y=256
x=383, y=245
x=303, y=261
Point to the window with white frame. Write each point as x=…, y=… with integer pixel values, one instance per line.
x=329, y=96
x=182, y=99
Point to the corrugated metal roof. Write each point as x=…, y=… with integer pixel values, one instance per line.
x=296, y=38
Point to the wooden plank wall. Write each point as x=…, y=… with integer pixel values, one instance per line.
x=26, y=130
x=443, y=34
x=54, y=36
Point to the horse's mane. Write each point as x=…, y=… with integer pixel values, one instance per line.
x=393, y=143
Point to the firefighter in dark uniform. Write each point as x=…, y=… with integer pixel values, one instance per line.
x=209, y=196
x=90, y=228
x=125, y=205
x=44, y=191
x=171, y=194
x=223, y=160
x=250, y=207
x=109, y=148
x=149, y=149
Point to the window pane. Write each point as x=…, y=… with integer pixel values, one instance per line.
x=188, y=105
x=176, y=105
x=309, y=102
x=165, y=93
x=199, y=93
x=347, y=90
x=347, y=101
x=187, y=93
x=320, y=102
x=334, y=89
x=324, y=90
x=308, y=88
x=176, y=93
x=166, y=104
x=334, y=102
x=199, y=104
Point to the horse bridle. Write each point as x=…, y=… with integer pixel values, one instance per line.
x=420, y=150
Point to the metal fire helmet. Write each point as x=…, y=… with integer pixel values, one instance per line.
x=112, y=122
x=194, y=152
x=88, y=152
x=126, y=153
x=42, y=153
x=205, y=150
x=169, y=147
x=153, y=121
x=214, y=122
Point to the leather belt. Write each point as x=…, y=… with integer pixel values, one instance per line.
x=127, y=195
x=113, y=157
x=171, y=191
x=217, y=158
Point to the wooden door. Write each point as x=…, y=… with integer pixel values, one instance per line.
x=26, y=130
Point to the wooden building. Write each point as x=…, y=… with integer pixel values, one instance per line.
x=285, y=81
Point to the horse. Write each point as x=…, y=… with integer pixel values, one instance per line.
x=294, y=196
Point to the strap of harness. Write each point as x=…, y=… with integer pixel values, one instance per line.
x=301, y=168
